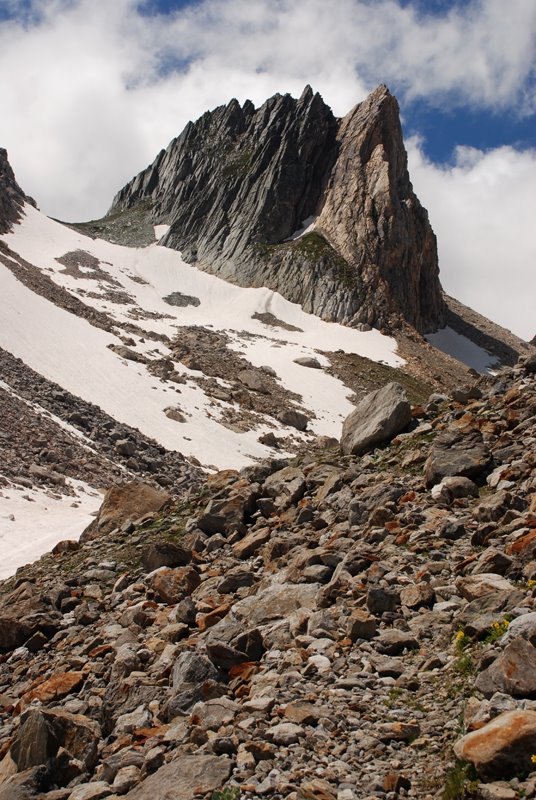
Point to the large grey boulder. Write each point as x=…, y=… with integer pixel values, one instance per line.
x=376, y=419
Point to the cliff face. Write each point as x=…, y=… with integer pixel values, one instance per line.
x=12, y=198
x=236, y=184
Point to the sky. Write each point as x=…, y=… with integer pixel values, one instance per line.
x=92, y=90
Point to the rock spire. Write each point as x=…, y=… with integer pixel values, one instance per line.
x=237, y=184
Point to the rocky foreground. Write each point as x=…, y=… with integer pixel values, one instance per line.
x=341, y=626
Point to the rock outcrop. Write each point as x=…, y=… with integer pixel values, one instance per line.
x=237, y=185
x=12, y=198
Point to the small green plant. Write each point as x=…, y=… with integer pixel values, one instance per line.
x=227, y=793
x=464, y=664
x=461, y=782
x=497, y=629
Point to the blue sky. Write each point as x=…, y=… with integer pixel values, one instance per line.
x=100, y=87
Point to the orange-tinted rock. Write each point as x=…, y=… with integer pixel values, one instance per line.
x=171, y=585
x=54, y=688
x=249, y=545
x=502, y=748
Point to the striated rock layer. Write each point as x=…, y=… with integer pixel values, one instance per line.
x=237, y=184
x=12, y=198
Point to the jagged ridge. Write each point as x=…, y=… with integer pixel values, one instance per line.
x=236, y=184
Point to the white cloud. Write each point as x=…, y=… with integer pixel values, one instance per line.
x=482, y=211
x=92, y=90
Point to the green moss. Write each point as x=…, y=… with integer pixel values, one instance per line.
x=238, y=164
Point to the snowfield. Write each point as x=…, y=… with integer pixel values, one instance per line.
x=129, y=285
x=68, y=350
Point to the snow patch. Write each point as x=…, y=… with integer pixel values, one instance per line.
x=160, y=231
x=307, y=226
x=32, y=521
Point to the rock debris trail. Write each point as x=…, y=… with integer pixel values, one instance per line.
x=326, y=628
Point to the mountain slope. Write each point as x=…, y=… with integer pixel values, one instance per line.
x=237, y=184
x=317, y=629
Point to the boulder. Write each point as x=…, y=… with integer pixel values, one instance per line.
x=379, y=417
x=513, y=672
x=43, y=732
x=164, y=554
x=122, y=503
x=503, y=748
x=294, y=419
x=173, y=585
x=456, y=451
x=183, y=779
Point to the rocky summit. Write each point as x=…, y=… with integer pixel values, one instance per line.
x=287, y=196
x=331, y=627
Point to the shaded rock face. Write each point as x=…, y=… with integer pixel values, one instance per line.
x=236, y=184
x=12, y=198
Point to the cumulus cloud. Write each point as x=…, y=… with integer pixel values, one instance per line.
x=482, y=211
x=92, y=89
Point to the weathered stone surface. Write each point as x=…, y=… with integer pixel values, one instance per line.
x=524, y=626
x=184, y=778
x=172, y=585
x=372, y=256
x=376, y=419
x=192, y=668
x=502, y=748
x=276, y=601
x=293, y=418
x=251, y=543
x=223, y=516
x=54, y=688
x=43, y=731
x=361, y=625
x=123, y=503
x=474, y=586
x=286, y=486
x=417, y=595
x=513, y=672
x=23, y=614
x=165, y=554
x=456, y=451
x=12, y=198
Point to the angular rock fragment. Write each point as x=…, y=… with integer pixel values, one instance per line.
x=376, y=419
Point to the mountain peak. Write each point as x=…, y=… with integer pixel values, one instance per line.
x=237, y=185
